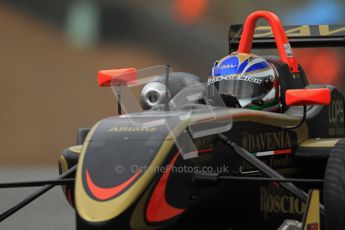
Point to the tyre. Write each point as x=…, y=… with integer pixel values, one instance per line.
x=334, y=188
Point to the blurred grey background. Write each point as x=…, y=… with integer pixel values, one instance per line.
x=50, y=52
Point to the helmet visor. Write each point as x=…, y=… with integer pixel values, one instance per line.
x=245, y=87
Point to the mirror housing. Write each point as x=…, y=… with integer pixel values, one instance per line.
x=299, y=97
x=122, y=76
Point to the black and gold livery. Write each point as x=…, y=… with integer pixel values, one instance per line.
x=116, y=151
x=132, y=174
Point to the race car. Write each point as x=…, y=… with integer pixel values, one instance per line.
x=179, y=156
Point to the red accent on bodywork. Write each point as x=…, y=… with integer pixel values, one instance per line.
x=284, y=151
x=69, y=197
x=116, y=77
x=308, y=97
x=205, y=150
x=313, y=226
x=280, y=37
x=106, y=193
x=158, y=208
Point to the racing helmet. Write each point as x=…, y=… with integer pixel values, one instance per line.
x=246, y=80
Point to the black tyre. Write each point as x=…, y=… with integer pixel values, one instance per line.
x=334, y=188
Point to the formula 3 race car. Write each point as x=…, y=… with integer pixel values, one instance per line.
x=178, y=158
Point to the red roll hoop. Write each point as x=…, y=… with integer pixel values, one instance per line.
x=279, y=34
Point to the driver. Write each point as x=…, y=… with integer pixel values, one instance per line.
x=247, y=81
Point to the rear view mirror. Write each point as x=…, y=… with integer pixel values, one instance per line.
x=299, y=97
x=116, y=77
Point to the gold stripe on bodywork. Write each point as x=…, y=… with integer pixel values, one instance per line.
x=320, y=143
x=312, y=215
x=76, y=149
x=267, y=118
x=63, y=164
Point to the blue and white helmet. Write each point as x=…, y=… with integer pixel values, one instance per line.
x=249, y=78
